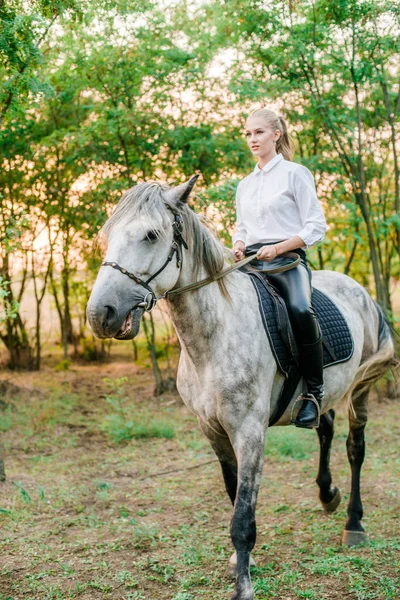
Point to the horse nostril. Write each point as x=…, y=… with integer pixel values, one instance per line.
x=110, y=314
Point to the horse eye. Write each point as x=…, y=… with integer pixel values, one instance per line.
x=151, y=236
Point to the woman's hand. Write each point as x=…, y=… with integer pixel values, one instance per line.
x=267, y=253
x=238, y=251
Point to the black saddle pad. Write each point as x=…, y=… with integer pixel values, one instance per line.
x=337, y=339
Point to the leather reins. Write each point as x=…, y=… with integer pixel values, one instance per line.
x=150, y=300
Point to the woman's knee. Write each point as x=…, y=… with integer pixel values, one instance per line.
x=304, y=322
x=301, y=312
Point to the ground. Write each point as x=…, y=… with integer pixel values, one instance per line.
x=113, y=493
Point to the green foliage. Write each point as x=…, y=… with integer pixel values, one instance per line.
x=90, y=351
x=24, y=494
x=5, y=419
x=23, y=29
x=63, y=365
x=10, y=308
x=119, y=426
x=119, y=429
x=218, y=203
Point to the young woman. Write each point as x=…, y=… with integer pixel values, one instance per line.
x=278, y=211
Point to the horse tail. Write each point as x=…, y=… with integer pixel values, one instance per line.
x=376, y=365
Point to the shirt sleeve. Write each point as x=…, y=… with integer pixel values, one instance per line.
x=311, y=213
x=240, y=232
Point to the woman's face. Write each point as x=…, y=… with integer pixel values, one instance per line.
x=260, y=137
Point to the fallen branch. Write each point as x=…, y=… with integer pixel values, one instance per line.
x=208, y=462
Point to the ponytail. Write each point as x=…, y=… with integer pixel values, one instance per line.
x=285, y=144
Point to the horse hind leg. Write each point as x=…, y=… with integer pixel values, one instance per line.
x=330, y=497
x=354, y=533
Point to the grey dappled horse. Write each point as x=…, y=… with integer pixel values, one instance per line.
x=227, y=374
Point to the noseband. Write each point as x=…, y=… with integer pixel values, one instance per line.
x=151, y=299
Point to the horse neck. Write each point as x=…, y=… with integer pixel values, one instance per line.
x=197, y=315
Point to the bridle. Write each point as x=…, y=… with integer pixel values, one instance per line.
x=150, y=300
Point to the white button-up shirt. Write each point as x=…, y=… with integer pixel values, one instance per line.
x=278, y=202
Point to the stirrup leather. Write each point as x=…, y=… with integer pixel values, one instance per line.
x=300, y=399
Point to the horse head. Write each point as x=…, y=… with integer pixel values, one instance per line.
x=145, y=239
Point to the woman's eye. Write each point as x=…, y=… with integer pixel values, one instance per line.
x=151, y=236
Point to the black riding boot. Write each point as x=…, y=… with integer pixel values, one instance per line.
x=311, y=365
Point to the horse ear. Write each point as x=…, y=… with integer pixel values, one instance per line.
x=179, y=194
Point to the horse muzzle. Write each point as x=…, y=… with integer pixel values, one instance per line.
x=130, y=326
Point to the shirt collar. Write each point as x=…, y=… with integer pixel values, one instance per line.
x=270, y=164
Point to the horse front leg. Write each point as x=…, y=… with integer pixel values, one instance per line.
x=222, y=447
x=249, y=449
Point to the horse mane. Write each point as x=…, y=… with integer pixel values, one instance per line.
x=149, y=200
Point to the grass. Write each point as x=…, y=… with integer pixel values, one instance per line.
x=288, y=443
x=124, y=423
x=118, y=429
x=105, y=498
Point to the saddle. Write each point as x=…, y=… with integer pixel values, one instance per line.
x=336, y=337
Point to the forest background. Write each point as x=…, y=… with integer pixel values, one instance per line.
x=96, y=96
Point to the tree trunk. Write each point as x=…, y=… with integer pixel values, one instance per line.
x=151, y=345
x=15, y=336
x=135, y=350
x=170, y=382
x=2, y=467
x=63, y=311
x=350, y=259
x=67, y=312
x=320, y=258
x=56, y=301
x=38, y=343
x=381, y=296
x=20, y=354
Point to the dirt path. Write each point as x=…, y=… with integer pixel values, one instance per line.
x=83, y=516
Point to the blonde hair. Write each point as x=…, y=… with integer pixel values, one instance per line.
x=284, y=145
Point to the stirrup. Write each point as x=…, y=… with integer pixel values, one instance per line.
x=314, y=424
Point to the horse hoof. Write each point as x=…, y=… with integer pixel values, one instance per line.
x=330, y=507
x=239, y=596
x=232, y=569
x=353, y=538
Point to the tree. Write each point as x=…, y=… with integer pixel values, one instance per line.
x=24, y=29
x=13, y=223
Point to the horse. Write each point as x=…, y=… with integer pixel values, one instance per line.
x=157, y=247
